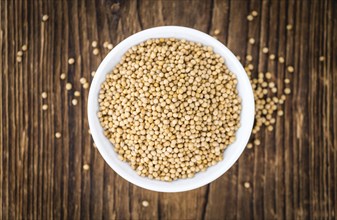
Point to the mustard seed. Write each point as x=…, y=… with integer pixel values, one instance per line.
x=95, y=51
x=24, y=47
x=44, y=95
x=105, y=44
x=94, y=44
x=249, y=145
x=110, y=46
x=265, y=50
x=19, y=53
x=281, y=60
x=257, y=142
x=83, y=80
x=290, y=69
x=44, y=107
x=71, y=61
x=19, y=59
x=272, y=56
x=254, y=13
x=77, y=93
x=250, y=17
x=286, y=81
x=145, y=203
x=251, y=40
x=246, y=185
x=216, y=32
x=45, y=18
x=57, y=134
x=74, y=101
x=321, y=58
x=69, y=86
x=86, y=85
x=93, y=73
x=86, y=167
x=289, y=27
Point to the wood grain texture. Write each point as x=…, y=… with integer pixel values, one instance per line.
x=292, y=174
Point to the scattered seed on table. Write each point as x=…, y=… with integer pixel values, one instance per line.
x=77, y=93
x=93, y=73
x=86, y=167
x=145, y=203
x=44, y=107
x=279, y=112
x=321, y=58
x=251, y=40
x=270, y=128
x=257, y=142
x=83, y=80
x=286, y=81
x=272, y=56
x=283, y=97
x=216, y=32
x=19, y=53
x=249, y=57
x=44, y=95
x=254, y=13
x=19, y=59
x=69, y=86
x=63, y=76
x=265, y=50
x=95, y=51
x=281, y=60
x=289, y=27
x=24, y=47
x=57, y=134
x=246, y=185
x=274, y=90
x=71, y=61
x=110, y=46
x=45, y=17
x=287, y=91
x=250, y=17
x=290, y=69
x=268, y=75
x=74, y=101
x=86, y=85
x=105, y=44
x=249, y=145
x=94, y=44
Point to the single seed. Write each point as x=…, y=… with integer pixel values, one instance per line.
x=254, y=13
x=321, y=58
x=94, y=43
x=86, y=167
x=249, y=145
x=71, y=61
x=110, y=46
x=44, y=107
x=270, y=128
x=19, y=53
x=44, y=95
x=95, y=51
x=290, y=69
x=24, y=47
x=69, y=86
x=281, y=59
x=63, y=76
x=257, y=142
x=249, y=57
x=289, y=27
x=250, y=17
x=216, y=32
x=280, y=113
x=77, y=93
x=272, y=57
x=286, y=81
x=74, y=101
x=57, y=134
x=145, y=203
x=93, y=73
x=287, y=91
x=19, y=59
x=238, y=57
x=246, y=185
x=251, y=40
x=86, y=85
x=265, y=50
x=105, y=44
x=45, y=17
x=83, y=80
x=268, y=75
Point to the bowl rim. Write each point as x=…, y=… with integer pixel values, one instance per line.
x=148, y=34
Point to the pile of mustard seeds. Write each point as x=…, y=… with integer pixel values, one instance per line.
x=170, y=107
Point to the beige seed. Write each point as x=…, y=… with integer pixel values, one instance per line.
x=238, y=57
x=251, y=40
x=268, y=75
x=95, y=51
x=93, y=73
x=63, y=76
x=83, y=80
x=286, y=81
x=44, y=107
x=249, y=57
x=86, y=167
x=254, y=13
x=272, y=56
x=74, y=101
x=246, y=185
x=105, y=44
x=290, y=69
x=249, y=145
x=57, y=134
x=280, y=113
x=289, y=27
x=19, y=53
x=77, y=93
x=24, y=47
x=71, y=61
x=321, y=58
x=265, y=50
x=270, y=128
x=110, y=46
x=145, y=203
x=250, y=17
x=287, y=91
x=19, y=59
x=94, y=43
x=44, y=95
x=216, y=32
x=257, y=142
x=45, y=18
x=86, y=85
x=69, y=86
x=281, y=60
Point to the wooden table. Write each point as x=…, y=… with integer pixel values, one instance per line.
x=291, y=174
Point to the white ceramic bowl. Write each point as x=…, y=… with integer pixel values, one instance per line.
x=232, y=152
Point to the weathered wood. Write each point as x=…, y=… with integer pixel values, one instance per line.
x=292, y=174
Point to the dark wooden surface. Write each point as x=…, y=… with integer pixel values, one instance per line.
x=292, y=174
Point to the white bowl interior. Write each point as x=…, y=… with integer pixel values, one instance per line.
x=232, y=152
